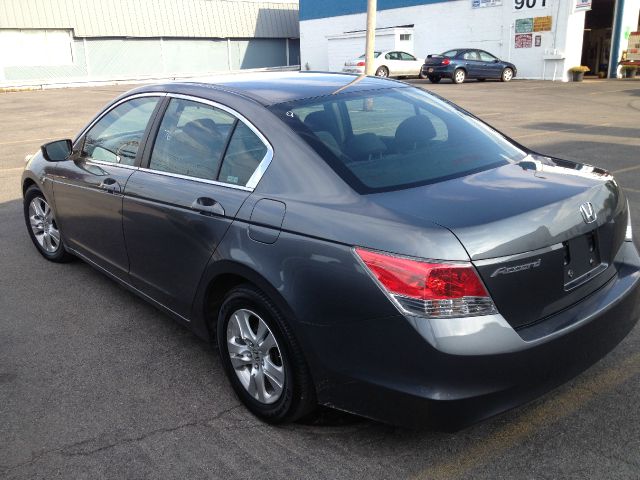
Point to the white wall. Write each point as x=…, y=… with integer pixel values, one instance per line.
x=454, y=24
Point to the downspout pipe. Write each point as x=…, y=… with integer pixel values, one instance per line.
x=615, y=43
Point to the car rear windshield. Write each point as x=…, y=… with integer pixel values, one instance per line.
x=396, y=138
x=450, y=53
x=375, y=55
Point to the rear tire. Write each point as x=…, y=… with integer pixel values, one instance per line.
x=459, y=76
x=507, y=75
x=42, y=226
x=382, y=72
x=434, y=79
x=262, y=359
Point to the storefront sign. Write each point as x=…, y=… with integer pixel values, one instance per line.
x=524, y=25
x=523, y=40
x=542, y=24
x=582, y=5
x=485, y=3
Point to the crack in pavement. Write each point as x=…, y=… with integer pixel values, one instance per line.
x=64, y=451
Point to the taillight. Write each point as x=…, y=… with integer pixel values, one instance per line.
x=446, y=61
x=360, y=64
x=434, y=290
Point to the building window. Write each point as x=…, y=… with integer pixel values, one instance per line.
x=405, y=37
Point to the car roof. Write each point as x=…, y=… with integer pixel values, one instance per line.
x=269, y=88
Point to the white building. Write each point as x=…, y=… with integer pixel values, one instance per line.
x=543, y=38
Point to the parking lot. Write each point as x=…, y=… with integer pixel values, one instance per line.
x=96, y=383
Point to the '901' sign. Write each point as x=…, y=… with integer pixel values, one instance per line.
x=530, y=4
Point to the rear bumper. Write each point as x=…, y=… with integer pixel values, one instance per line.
x=353, y=69
x=437, y=70
x=397, y=376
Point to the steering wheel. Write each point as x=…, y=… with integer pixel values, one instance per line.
x=122, y=151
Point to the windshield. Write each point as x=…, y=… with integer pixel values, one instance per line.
x=396, y=138
x=375, y=55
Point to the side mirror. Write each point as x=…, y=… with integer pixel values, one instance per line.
x=57, y=151
x=496, y=60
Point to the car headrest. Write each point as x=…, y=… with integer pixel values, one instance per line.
x=414, y=132
x=317, y=121
x=202, y=130
x=362, y=147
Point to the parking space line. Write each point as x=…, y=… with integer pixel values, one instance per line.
x=12, y=169
x=537, y=134
x=626, y=169
x=31, y=140
x=551, y=411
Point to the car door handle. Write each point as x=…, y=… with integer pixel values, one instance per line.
x=207, y=206
x=110, y=185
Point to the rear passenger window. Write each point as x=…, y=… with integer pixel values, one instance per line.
x=191, y=139
x=244, y=154
x=199, y=140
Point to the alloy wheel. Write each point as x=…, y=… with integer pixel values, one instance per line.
x=507, y=74
x=255, y=356
x=43, y=225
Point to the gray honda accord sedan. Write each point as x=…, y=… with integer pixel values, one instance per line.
x=346, y=241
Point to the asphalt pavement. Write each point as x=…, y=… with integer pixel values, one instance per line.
x=95, y=383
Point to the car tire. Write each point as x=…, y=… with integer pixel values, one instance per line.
x=42, y=226
x=434, y=79
x=481, y=79
x=459, y=76
x=262, y=359
x=382, y=72
x=422, y=76
x=507, y=75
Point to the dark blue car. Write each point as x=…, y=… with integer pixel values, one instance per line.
x=463, y=63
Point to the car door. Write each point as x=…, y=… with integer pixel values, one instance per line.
x=471, y=61
x=393, y=63
x=202, y=166
x=491, y=66
x=88, y=188
x=410, y=64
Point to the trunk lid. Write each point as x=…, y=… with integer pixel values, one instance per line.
x=434, y=60
x=523, y=229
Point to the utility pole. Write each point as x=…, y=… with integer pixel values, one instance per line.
x=371, y=37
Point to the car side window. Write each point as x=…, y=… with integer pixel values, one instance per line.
x=243, y=155
x=472, y=55
x=392, y=56
x=406, y=56
x=191, y=139
x=486, y=57
x=116, y=137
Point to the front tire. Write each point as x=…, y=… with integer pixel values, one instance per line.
x=261, y=357
x=507, y=75
x=42, y=226
x=382, y=72
x=459, y=76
